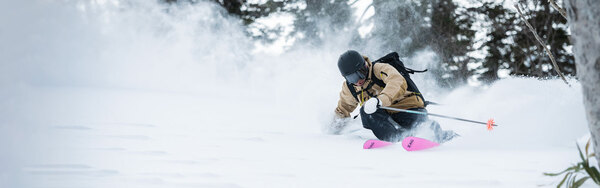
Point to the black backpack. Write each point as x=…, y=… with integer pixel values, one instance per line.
x=394, y=60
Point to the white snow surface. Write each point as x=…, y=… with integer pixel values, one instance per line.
x=109, y=93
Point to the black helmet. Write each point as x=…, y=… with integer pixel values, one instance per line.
x=352, y=66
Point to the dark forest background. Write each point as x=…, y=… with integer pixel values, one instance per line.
x=444, y=26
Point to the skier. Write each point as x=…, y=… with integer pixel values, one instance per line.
x=392, y=126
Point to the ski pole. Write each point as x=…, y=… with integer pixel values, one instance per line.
x=489, y=124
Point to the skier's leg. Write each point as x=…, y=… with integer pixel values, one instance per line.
x=409, y=120
x=417, y=123
x=382, y=125
x=441, y=136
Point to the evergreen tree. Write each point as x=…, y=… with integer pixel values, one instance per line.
x=452, y=39
x=401, y=26
x=317, y=20
x=511, y=46
x=528, y=56
x=246, y=11
x=498, y=45
x=443, y=26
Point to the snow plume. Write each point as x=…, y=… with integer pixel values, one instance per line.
x=531, y=114
x=123, y=44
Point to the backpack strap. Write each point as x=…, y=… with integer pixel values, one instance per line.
x=352, y=91
x=412, y=71
x=409, y=82
x=376, y=80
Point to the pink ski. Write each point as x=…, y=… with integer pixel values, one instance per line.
x=415, y=144
x=409, y=144
x=370, y=144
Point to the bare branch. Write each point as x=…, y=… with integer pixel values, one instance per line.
x=560, y=10
x=364, y=12
x=543, y=45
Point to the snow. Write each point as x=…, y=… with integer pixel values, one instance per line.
x=177, y=103
x=73, y=137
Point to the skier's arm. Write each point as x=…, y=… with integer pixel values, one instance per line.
x=346, y=104
x=395, y=84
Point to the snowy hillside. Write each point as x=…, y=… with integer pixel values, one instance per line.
x=99, y=94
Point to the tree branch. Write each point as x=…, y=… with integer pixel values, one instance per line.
x=543, y=45
x=364, y=12
x=560, y=10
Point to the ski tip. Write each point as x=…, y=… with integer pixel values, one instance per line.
x=371, y=144
x=415, y=143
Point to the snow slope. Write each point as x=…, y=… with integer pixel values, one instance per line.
x=101, y=94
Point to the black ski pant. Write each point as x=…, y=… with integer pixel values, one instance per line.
x=391, y=127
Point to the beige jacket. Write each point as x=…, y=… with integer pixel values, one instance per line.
x=393, y=95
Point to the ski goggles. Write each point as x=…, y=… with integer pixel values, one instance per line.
x=356, y=76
